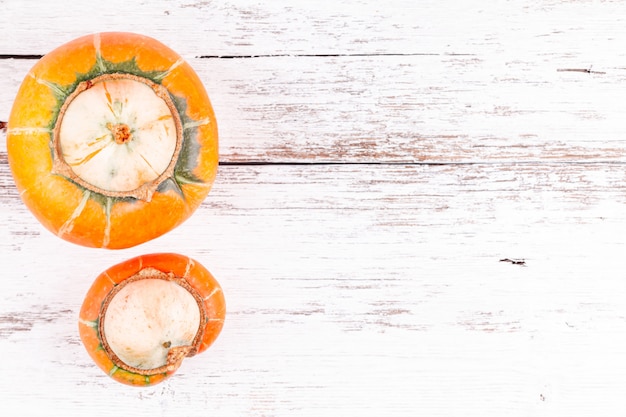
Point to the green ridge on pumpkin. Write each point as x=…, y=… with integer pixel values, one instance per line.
x=187, y=160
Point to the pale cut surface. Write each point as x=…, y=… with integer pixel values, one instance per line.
x=148, y=317
x=88, y=142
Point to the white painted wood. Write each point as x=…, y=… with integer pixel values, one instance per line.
x=403, y=109
x=362, y=289
x=578, y=32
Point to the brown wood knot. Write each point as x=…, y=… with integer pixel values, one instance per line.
x=514, y=261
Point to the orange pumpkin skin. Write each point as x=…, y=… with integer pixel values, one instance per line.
x=183, y=268
x=72, y=210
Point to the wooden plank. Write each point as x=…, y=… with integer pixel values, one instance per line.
x=404, y=109
x=581, y=33
x=357, y=290
x=238, y=28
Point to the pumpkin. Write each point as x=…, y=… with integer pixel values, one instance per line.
x=112, y=140
x=142, y=317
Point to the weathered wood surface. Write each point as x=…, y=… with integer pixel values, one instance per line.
x=378, y=163
x=403, y=109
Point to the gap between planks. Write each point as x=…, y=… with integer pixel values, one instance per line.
x=417, y=163
x=347, y=55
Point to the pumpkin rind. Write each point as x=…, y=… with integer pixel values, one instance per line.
x=86, y=216
x=193, y=275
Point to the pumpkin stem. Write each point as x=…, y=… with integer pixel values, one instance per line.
x=121, y=132
x=176, y=355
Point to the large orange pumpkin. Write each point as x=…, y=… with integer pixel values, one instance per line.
x=142, y=317
x=112, y=140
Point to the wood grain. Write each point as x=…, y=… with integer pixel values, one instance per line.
x=577, y=32
x=359, y=82
x=378, y=161
x=370, y=289
x=403, y=109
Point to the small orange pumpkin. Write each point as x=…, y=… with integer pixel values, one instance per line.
x=142, y=317
x=112, y=140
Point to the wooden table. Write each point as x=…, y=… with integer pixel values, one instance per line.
x=420, y=211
